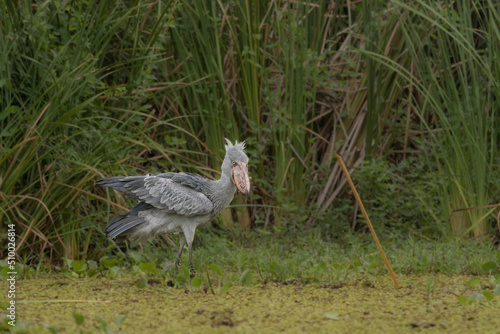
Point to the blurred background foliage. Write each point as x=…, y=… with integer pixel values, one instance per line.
x=407, y=94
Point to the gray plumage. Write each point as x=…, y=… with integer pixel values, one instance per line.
x=177, y=202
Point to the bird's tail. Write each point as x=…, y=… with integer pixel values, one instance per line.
x=120, y=226
x=120, y=183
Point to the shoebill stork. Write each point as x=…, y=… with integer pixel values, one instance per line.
x=177, y=202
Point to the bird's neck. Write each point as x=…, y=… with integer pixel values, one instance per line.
x=224, y=190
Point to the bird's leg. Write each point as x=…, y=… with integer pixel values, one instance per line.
x=182, y=242
x=192, y=272
x=189, y=235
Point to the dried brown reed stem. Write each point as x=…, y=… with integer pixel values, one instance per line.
x=362, y=208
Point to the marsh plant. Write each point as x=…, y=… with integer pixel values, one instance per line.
x=103, y=88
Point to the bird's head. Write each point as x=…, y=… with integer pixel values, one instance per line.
x=235, y=166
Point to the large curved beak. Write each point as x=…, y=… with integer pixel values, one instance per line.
x=239, y=176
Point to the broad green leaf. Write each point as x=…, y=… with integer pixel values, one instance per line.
x=136, y=256
x=196, y=282
x=92, y=264
x=489, y=267
x=79, y=266
x=474, y=282
x=148, y=267
x=216, y=269
x=246, y=277
x=68, y=262
x=496, y=290
x=52, y=329
x=108, y=263
x=10, y=110
x=488, y=295
x=79, y=318
x=104, y=324
x=142, y=282
x=113, y=271
x=119, y=321
x=463, y=300
x=185, y=271
x=332, y=315
x=476, y=296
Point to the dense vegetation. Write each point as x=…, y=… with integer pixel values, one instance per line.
x=407, y=94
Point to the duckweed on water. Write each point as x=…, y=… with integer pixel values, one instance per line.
x=290, y=307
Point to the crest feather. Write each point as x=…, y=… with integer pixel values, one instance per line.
x=236, y=144
x=241, y=145
x=228, y=143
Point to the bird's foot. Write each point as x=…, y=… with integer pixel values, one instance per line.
x=192, y=272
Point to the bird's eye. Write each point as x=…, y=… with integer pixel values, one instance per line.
x=234, y=163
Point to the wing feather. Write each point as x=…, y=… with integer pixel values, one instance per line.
x=179, y=193
x=164, y=193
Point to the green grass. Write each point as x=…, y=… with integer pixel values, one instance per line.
x=311, y=258
x=307, y=257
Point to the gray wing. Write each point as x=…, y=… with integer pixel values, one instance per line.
x=190, y=180
x=118, y=183
x=165, y=192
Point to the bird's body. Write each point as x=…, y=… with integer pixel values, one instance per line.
x=182, y=201
x=177, y=202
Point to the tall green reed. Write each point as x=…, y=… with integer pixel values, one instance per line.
x=454, y=49
x=255, y=68
x=110, y=89
x=60, y=118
